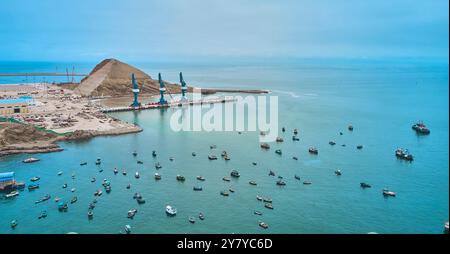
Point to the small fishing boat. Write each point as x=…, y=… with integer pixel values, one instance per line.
x=281, y=183
x=134, y=153
x=140, y=200
x=295, y=131
x=307, y=182
x=171, y=211
x=420, y=128
x=12, y=194
x=235, y=173
x=57, y=199
x=83, y=164
x=446, y=225
x=197, y=188
x=115, y=171
x=201, y=216
x=154, y=153
x=93, y=179
x=403, y=154
x=224, y=153
x=231, y=190
x=42, y=215
x=201, y=178
x=73, y=175
x=98, y=162
x=131, y=213
x=283, y=129
x=100, y=170
x=137, y=195
x=128, y=186
x=14, y=224
x=332, y=143
x=62, y=207
x=227, y=158
x=254, y=163
x=194, y=154
x=157, y=176
x=359, y=147
x=124, y=172
x=271, y=173
x=33, y=187
x=136, y=175
x=158, y=165
x=263, y=225
x=365, y=185
x=91, y=205
x=192, y=220
x=140, y=162
x=73, y=190
x=73, y=200
x=171, y=159
x=252, y=183
x=90, y=214
x=279, y=139
x=388, y=193
x=20, y=185
x=224, y=193
x=297, y=177
x=45, y=198
x=98, y=192
x=295, y=138
x=278, y=151
x=313, y=150
x=108, y=189
x=212, y=146
x=127, y=229
x=265, y=146
x=60, y=173
x=338, y=172
x=180, y=178
x=212, y=157
x=30, y=160
x=267, y=200
x=343, y=145
x=268, y=205
x=259, y=198
x=350, y=127
x=257, y=212
x=35, y=178
x=226, y=179
x=340, y=133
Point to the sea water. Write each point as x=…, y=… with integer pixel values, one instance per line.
x=380, y=98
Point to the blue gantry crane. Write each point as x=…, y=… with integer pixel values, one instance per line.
x=183, y=88
x=162, y=90
x=136, y=91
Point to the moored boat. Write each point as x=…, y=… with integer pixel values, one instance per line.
x=235, y=173
x=171, y=211
x=307, y=182
x=281, y=183
x=279, y=139
x=192, y=220
x=180, y=178
x=201, y=178
x=157, y=176
x=212, y=157
x=421, y=128
x=359, y=147
x=201, y=216
x=131, y=213
x=271, y=173
x=224, y=193
x=33, y=187
x=403, y=154
x=268, y=205
x=252, y=183
x=42, y=215
x=14, y=224
x=226, y=179
x=278, y=151
x=12, y=194
x=197, y=188
x=154, y=153
x=313, y=150
x=297, y=177
x=265, y=146
x=332, y=143
x=35, y=178
x=338, y=172
x=257, y=212
x=136, y=175
x=263, y=225
x=295, y=138
x=30, y=160
x=74, y=199
x=158, y=165
x=388, y=193
x=365, y=185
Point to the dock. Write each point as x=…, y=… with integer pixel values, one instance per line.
x=168, y=105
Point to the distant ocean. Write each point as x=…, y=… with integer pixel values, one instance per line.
x=380, y=98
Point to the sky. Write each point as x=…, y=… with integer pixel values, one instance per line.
x=187, y=29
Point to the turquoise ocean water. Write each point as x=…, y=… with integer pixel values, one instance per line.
x=381, y=99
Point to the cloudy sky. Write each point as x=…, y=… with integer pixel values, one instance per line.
x=177, y=29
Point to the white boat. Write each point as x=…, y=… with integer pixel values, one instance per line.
x=172, y=211
x=12, y=194
x=127, y=229
x=73, y=190
x=60, y=173
x=136, y=175
x=31, y=160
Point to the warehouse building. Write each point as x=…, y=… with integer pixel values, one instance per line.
x=14, y=106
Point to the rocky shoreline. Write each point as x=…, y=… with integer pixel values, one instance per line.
x=49, y=142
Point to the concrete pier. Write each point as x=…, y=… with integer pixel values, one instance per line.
x=170, y=104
